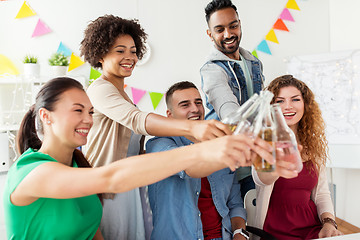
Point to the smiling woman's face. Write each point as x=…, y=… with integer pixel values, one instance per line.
x=292, y=105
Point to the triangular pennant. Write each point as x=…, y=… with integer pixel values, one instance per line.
x=292, y=5
x=263, y=47
x=40, y=29
x=155, y=98
x=280, y=25
x=64, y=50
x=254, y=53
x=94, y=74
x=75, y=62
x=286, y=15
x=125, y=85
x=137, y=94
x=25, y=11
x=271, y=36
x=7, y=66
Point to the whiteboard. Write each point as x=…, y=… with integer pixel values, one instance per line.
x=335, y=80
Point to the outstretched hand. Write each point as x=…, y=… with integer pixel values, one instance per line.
x=207, y=130
x=235, y=150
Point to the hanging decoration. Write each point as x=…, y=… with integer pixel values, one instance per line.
x=7, y=67
x=25, y=11
x=64, y=50
x=137, y=94
x=292, y=5
x=286, y=15
x=155, y=98
x=94, y=74
x=264, y=47
x=75, y=62
x=271, y=36
x=40, y=29
x=278, y=25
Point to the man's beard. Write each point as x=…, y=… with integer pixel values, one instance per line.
x=225, y=50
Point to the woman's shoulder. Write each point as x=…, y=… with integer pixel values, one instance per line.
x=31, y=158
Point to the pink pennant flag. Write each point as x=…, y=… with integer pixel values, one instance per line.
x=40, y=29
x=285, y=15
x=137, y=94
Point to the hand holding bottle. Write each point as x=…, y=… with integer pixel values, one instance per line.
x=286, y=144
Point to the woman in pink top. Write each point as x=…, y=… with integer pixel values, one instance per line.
x=300, y=207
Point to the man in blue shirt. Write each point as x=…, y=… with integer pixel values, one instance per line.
x=190, y=205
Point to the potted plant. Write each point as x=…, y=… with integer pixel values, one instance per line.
x=59, y=63
x=31, y=66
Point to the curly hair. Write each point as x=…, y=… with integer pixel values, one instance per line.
x=311, y=127
x=101, y=34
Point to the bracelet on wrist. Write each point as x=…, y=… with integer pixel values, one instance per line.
x=243, y=232
x=329, y=220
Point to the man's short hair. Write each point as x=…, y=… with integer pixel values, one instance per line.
x=216, y=5
x=177, y=86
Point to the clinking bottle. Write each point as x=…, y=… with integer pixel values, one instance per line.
x=233, y=118
x=251, y=121
x=268, y=134
x=286, y=144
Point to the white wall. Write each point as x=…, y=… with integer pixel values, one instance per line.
x=179, y=45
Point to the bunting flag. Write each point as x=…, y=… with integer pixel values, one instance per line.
x=271, y=36
x=125, y=85
x=292, y=5
x=254, y=53
x=64, y=50
x=7, y=66
x=25, y=11
x=264, y=47
x=75, y=62
x=94, y=74
x=155, y=98
x=280, y=25
x=137, y=94
x=40, y=29
x=286, y=15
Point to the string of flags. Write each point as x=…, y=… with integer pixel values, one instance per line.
x=42, y=28
x=278, y=25
x=137, y=94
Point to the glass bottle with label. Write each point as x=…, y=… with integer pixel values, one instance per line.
x=286, y=144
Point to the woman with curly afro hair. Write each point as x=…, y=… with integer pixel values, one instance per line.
x=115, y=45
x=300, y=207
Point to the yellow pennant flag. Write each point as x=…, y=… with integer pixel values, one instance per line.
x=25, y=11
x=75, y=62
x=7, y=66
x=292, y=5
x=271, y=36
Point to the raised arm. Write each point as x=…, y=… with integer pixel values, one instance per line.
x=216, y=87
x=67, y=182
x=158, y=125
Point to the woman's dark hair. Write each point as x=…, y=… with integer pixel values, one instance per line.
x=216, y=5
x=47, y=97
x=101, y=34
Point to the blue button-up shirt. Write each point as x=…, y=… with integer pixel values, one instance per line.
x=174, y=200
